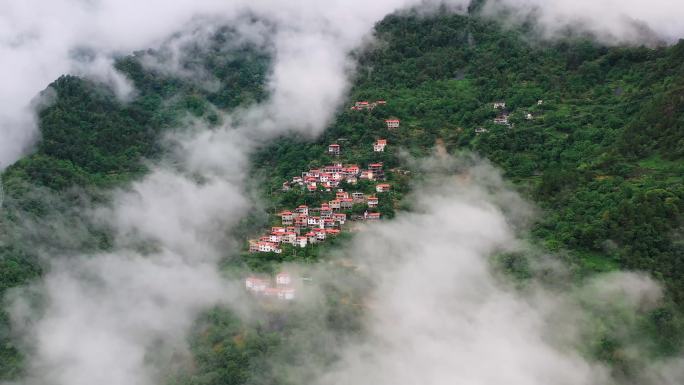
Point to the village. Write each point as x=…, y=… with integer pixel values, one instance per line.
x=305, y=226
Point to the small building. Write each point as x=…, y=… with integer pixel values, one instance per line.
x=382, y=187
x=529, y=116
x=379, y=145
x=311, y=237
x=373, y=201
x=301, y=242
x=314, y=221
x=286, y=186
x=320, y=234
x=283, y=279
x=289, y=237
x=256, y=285
x=287, y=218
x=334, y=204
x=540, y=102
x=346, y=203
x=341, y=195
x=286, y=293
x=351, y=170
x=340, y=218
x=367, y=174
x=358, y=196
x=380, y=102
x=392, y=123
x=499, y=105
x=334, y=149
x=375, y=167
x=501, y=119
x=481, y=130
x=371, y=216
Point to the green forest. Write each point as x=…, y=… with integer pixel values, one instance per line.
x=595, y=139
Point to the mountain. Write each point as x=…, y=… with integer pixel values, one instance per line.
x=594, y=135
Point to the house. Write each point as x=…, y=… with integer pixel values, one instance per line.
x=358, y=197
x=392, y=123
x=540, y=102
x=367, y=174
x=289, y=237
x=334, y=204
x=253, y=246
x=311, y=237
x=362, y=105
x=341, y=195
x=380, y=102
x=346, y=203
x=373, y=201
x=275, y=237
x=301, y=220
x=311, y=187
x=314, y=221
x=269, y=247
x=501, y=119
x=287, y=218
x=371, y=216
x=351, y=170
x=333, y=168
x=499, y=105
x=332, y=232
x=286, y=293
x=383, y=187
x=340, y=218
x=303, y=209
x=255, y=284
x=326, y=212
x=379, y=145
x=301, y=242
x=481, y=130
x=529, y=116
x=320, y=234
x=283, y=278
x=375, y=167
x=334, y=149
x=329, y=223
x=286, y=186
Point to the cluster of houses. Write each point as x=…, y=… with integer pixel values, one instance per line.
x=330, y=176
x=282, y=289
x=306, y=225
x=365, y=105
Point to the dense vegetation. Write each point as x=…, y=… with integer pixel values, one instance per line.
x=602, y=156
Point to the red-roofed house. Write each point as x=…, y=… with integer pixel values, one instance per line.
x=379, y=145
x=375, y=167
x=334, y=204
x=382, y=187
x=373, y=201
x=287, y=218
x=301, y=242
x=340, y=218
x=346, y=203
x=392, y=123
x=371, y=216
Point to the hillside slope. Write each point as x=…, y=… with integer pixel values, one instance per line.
x=601, y=154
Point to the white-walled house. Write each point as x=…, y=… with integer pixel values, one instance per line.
x=379, y=145
x=382, y=187
x=392, y=123
x=283, y=279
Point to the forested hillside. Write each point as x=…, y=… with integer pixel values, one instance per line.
x=595, y=137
